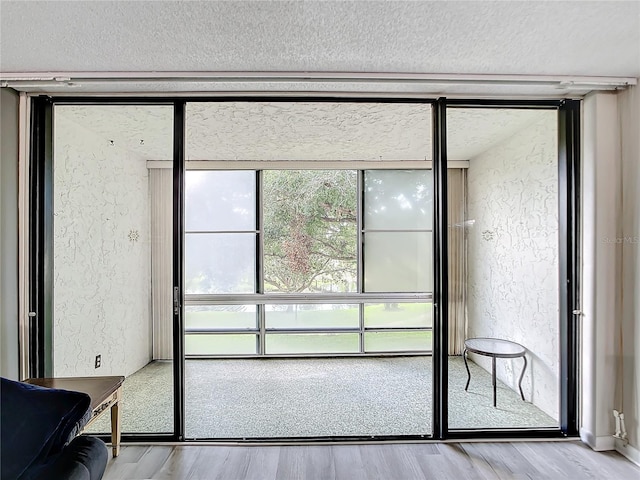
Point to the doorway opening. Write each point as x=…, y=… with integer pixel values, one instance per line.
x=306, y=306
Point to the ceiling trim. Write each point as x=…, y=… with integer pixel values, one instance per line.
x=20, y=80
x=163, y=96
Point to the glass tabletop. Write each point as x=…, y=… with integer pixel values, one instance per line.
x=495, y=346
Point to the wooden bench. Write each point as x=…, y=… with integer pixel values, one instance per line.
x=105, y=393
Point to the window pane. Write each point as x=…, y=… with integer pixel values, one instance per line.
x=312, y=316
x=503, y=266
x=312, y=343
x=220, y=200
x=397, y=315
x=112, y=255
x=224, y=344
x=398, y=199
x=220, y=263
x=220, y=317
x=397, y=341
x=398, y=262
x=310, y=230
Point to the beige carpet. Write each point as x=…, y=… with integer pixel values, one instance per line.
x=366, y=396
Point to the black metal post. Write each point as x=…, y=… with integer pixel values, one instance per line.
x=41, y=239
x=178, y=265
x=440, y=272
x=569, y=231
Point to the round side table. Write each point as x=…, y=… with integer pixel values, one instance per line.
x=494, y=348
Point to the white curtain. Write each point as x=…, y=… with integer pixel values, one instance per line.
x=457, y=245
x=161, y=186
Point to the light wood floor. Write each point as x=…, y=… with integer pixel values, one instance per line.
x=460, y=461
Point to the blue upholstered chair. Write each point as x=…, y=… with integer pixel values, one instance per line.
x=38, y=435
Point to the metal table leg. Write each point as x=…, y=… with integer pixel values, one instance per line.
x=524, y=367
x=464, y=356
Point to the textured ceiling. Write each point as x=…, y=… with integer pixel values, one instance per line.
x=145, y=130
x=308, y=131
x=478, y=37
x=299, y=131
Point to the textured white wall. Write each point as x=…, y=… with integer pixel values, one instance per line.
x=513, y=255
x=102, y=282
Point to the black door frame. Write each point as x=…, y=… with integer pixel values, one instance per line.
x=569, y=195
x=178, y=266
x=41, y=233
x=569, y=266
x=440, y=273
x=41, y=249
x=41, y=241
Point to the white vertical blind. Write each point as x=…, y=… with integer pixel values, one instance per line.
x=161, y=183
x=456, y=211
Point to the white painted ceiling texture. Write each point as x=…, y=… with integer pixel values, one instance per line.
x=269, y=131
x=599, y=38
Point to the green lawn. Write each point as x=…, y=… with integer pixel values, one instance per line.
x=402, y=315
x=245, y=344
x=376, y=316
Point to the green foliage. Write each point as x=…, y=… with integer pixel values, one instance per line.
x=310, y=230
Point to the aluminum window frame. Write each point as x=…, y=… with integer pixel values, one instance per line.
x=260, y=298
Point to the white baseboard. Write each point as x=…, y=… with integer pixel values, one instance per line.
x=628, y=451
x=599, y=444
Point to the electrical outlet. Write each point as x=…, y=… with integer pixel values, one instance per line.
x=98, y=361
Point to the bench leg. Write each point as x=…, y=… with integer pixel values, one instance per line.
x=115, y=426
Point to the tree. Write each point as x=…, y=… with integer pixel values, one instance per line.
x=310, y=230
